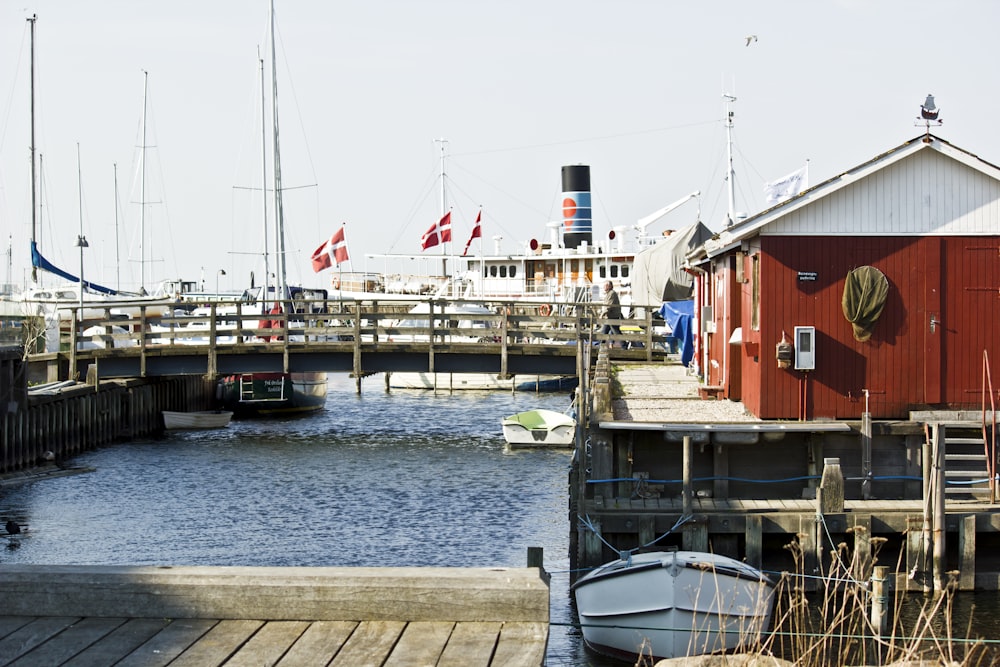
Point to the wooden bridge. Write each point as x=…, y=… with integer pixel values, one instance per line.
x=471, y=336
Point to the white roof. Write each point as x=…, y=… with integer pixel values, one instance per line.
x=893, y=200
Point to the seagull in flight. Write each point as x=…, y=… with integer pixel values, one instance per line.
x=750, y=39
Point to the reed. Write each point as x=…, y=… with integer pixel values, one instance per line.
x=832, y=626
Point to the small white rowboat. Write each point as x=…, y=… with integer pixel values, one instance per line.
x=199, y=419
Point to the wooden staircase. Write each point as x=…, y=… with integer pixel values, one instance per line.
x=966, y=464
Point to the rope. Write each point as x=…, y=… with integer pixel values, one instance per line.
x=626, y=554
x=955, y=640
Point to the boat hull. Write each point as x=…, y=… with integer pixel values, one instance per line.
x=263, y=394
x=672, y=604
x=539, y=428
x=196, y=420
x=481, y=382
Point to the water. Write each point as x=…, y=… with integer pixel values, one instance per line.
x=408, y=478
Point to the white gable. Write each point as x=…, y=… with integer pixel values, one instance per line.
x=918, y=189
x=923, y=194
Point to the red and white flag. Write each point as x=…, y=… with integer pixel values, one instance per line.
x=440, y=232
x=333, y=251
x=477, y=232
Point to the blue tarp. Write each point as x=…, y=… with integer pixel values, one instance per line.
x=678, y=316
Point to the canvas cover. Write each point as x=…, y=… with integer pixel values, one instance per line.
x=865, y=292
x=658, y=272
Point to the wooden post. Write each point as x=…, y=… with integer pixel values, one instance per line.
x=937, y=527
x=880, y=601
x=866, y=456
x=720, y=464
x=536, y=559
x=755, y=540
x=74, y=333
x=807, y=542
x=688, y=463
x=503, y=342
x=832, y=487
x=967, y=553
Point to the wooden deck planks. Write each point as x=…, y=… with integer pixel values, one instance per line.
x=421, y=643
x=318, y=644
x=70, y=641
x=118, y=643
x=169, y=643
x=370, y=644
x=218, y=644
x=152, y=642
x=521, y=645
x=31, y=635
x=471, y=645
x=268, y=644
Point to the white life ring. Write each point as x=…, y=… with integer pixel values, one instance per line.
x=545, y=310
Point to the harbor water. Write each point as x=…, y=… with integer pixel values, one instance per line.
x=399, y=478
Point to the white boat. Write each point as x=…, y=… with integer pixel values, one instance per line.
x=539, y=428
x=669, y=604
x=199, y=419
x=481, y=382
x=567, y=267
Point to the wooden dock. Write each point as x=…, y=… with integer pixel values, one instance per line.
x=202, y=616
x=664, y=467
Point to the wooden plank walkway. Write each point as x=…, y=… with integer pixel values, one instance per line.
x=90, y=616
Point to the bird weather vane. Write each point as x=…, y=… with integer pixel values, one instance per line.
x=929, y=116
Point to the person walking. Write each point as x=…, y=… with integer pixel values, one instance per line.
x=612, y=310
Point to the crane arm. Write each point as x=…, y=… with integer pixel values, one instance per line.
x=653, y=217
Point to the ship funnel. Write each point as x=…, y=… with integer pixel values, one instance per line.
x=577, y=218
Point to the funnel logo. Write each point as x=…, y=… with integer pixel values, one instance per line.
x=576, y=212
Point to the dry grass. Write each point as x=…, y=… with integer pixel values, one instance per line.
x=833, y=627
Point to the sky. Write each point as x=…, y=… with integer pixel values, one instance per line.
x=518, y=89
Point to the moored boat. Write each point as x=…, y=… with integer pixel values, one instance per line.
x=173, y=420
x=669, y=604
x=539, y=428
x=273, y=393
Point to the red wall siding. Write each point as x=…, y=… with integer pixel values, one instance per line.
x=892, y=364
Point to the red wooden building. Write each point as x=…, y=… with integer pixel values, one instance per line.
x=926, y=217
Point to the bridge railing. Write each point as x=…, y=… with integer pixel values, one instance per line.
x=300, y=322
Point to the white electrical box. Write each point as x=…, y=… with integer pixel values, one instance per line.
x=708, y=319
x=805, y=348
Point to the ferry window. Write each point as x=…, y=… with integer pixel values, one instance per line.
x=625, y=271
x=486, y=272
x=603, y=272
x=614, y=270
x=493, y=272
x=503, y=271
x=513, y=271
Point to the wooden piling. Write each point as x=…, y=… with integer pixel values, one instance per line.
x=880, y=601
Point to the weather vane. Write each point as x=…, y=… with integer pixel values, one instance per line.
x=929, y=116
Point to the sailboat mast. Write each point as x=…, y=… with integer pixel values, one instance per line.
x=279, y=217
x=34, y=176
x=118, y=254
x=263, y=179
x=730, y=174
x=142, y=188
x=444, y=203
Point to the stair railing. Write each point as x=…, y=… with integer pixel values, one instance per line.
x=990, y=434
